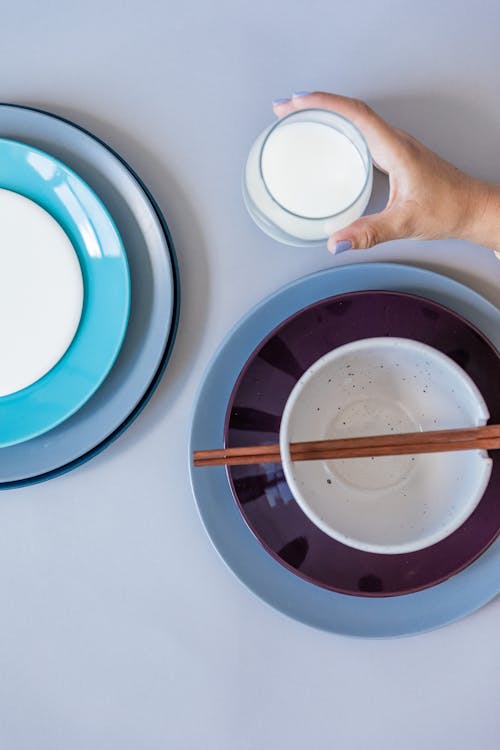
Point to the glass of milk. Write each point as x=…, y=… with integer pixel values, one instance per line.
x=307, y=175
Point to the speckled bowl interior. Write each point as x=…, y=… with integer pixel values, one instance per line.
x=392, y=504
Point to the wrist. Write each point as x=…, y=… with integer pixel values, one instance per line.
x=481, y=218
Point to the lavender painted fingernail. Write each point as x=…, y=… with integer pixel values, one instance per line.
x=342, y=246
x=298, y=94
x=280, y=101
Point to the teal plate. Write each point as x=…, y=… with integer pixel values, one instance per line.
x=95, y=346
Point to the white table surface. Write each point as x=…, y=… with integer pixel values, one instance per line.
x=120, y=627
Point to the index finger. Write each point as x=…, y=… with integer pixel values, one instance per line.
x=383, y=140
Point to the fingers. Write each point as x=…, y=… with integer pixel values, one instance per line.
x=369, y=231
x=389, y=148
x=353, y=109
x=383, y=140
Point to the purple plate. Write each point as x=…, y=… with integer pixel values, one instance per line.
x=254, y=415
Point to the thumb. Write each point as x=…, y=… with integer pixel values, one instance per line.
x=369, y=231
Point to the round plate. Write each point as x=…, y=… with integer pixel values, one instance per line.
x=41, y=292
x=254, y=415
x=245, y=556
x=69, y=384
x=154, y=301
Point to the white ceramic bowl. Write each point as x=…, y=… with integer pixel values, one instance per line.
x=392, y=504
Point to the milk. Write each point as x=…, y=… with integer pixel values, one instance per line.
x=312, y=169
x=307, y=177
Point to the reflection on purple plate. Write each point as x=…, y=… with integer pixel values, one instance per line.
x=254, y=415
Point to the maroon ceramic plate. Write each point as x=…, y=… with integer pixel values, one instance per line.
x=254, y=415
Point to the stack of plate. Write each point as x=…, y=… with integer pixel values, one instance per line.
x=89, y=295
x=250, y=512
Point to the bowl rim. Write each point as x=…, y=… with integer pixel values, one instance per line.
x=465, y=509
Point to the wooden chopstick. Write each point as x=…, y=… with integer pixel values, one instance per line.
x=486, y=437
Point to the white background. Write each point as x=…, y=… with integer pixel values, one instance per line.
x=119, y=625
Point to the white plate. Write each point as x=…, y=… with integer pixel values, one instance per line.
x=41, y=292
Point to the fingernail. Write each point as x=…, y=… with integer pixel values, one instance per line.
x=280, y=101
x=298, y=94
x=342, y=246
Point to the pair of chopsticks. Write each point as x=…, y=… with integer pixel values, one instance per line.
x=485, y=438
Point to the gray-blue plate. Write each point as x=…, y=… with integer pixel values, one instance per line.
x=239, y=548
x=154, y=300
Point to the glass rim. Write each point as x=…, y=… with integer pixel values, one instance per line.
x=335, y=115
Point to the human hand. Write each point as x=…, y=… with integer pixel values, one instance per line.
x=429, y=198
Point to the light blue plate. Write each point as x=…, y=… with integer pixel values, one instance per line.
x=70, y=383
x=348, y=615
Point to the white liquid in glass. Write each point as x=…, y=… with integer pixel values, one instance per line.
x=307, y=176
x=312, y=169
